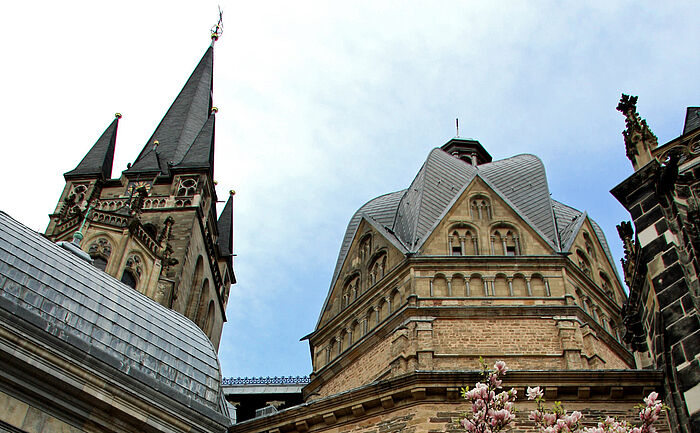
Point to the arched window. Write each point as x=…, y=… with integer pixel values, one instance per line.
x=588, y=245
x=584, y=263
x=366, y=247
x=462, y=240
x=209, y=321
x=505, y=241
x=187, y=187
x=480, y=207
x=100, y=263
x=201, y=318
x=350, y=289
x=377, y=269
x=606, y=285
x=132, y=271
x=151, y=230
x=100, y=250
x=129, y=278
x=195, y=292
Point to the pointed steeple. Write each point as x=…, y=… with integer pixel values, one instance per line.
x=182, y=123
x=225, y=227
x=98, y=161
x=200, y=154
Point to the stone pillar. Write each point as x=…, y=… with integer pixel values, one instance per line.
x=510, y=286
x=529, y=288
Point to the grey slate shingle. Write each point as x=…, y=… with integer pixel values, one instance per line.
x=692, y=119
x=98, y=161
x=182, y=123
x=414, y=212
x=48, y=287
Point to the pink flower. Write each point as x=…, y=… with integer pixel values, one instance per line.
x=650, y=400
x=534, y=393
x=500, y=367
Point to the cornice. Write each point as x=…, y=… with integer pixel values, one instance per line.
x=434, y=387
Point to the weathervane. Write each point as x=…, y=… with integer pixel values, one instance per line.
x=218, y=29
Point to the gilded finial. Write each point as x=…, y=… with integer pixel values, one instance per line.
x=232, y=192
x=155, y=144
x=214, y=110
x=218, y=29
x=216, y=182
x=118, y=115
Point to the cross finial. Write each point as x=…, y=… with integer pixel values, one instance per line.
x=218, y=29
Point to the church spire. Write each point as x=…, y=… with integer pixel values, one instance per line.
x=98, y=160
x=200, y=154
x=178, y=130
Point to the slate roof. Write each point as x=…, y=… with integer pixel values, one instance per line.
x=178, y=131
x=410, y=215
x=692, y=119
x=98, y=161
x=224, y=227
x=47, y=287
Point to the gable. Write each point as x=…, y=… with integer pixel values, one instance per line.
x=481, y=212
x=368, y=245
x=590, y=255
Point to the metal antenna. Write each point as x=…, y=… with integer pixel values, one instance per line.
x=457, y=124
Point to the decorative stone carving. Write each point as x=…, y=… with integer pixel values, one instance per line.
x=639, y=140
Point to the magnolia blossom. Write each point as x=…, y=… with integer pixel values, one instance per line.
x=492, y=412
x=534, y=393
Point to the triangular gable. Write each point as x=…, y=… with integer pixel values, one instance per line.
x=377, y=229
x=497, y=196
x=523, y=180
x=593, y=228
x=382, y=209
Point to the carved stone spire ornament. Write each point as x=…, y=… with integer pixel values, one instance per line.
x=639, y=140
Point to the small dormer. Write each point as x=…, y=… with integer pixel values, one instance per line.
x=468, y=150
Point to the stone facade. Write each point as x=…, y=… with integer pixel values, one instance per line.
x=155, y=227
x=661, y=260
x=168, y=246
x=473, y=260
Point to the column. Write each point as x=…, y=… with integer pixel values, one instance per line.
x=510, y=285
x=529, y=288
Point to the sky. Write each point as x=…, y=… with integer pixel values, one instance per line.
x=325, y=105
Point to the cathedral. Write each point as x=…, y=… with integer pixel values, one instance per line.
x=111, y=320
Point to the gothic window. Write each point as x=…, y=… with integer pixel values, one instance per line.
x=456, y=244
x=350, y=289
x=584, y=263
x=209, y=321
x=377, y=269
x=366, y=247
x=606, y=285
x=462, y=241
x=78, y=192
x=480, y=208
x=195, y=290
x=151, y=230
x=99, y=263
x=129, y=278
x=589, y=245
x=505, y=241
x=187, y=187
x=100, y=250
